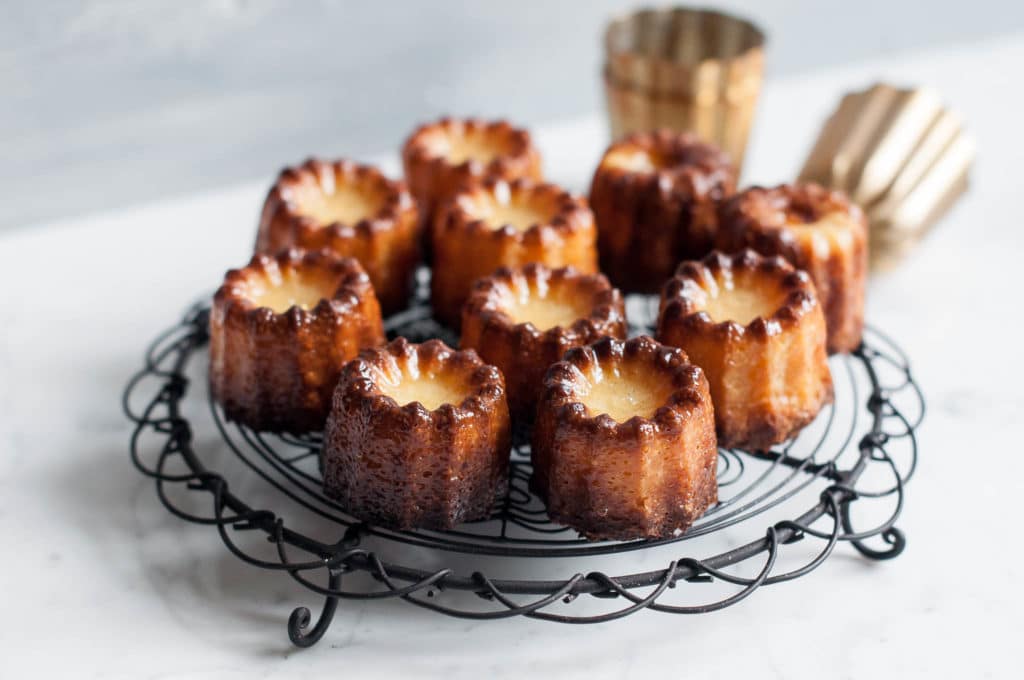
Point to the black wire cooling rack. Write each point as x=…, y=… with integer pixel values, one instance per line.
x=861, y=451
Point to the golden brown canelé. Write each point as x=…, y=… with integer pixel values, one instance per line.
x=506, y=224
x=654, y=196
x=755, y=326
x=441, y=157
x=281, y=328
x=816, y=230
x=352, y=210
x=523, y=320
x=418, y=436
x=624, y=444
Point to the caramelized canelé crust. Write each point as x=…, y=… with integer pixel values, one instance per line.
x=654, y=196
x=441, y=157
x=624, y=444
x=816, y=230
x=755, y=326
x=523, y=320
x=498, y=223
x=418, y=436
x=352, y=210
x=281, y=329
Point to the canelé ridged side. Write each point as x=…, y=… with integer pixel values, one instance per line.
x=433, y=179
x=650, y=220
x=770, y=377
x=466, y=248
x=642, y=478
x=387, y=244
x=277, y=371
x=816, y=230
x=524, y=352
x=406, y=466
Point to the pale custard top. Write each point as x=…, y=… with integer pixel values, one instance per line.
x=521, y=210
x=346, y=204
x=634, y=160
x=457, y=148
x=625, y=391
x=432, y=389
x=289, y=290
x=547, y=312
x=830, y=231
x=741, y=299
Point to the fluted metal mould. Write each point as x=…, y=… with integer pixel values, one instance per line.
x=684, y=69
x=901, y=155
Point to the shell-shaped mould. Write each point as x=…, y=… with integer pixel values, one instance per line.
x=418, y=437
x=441, y=157
x=624, y=444
x=497, y=224
x=686, y=69
x=901, y=155
x=816, y=230
x=755, y=326
x=281, y=328
x=523, y=320
x=352, y=210
x=654, y=196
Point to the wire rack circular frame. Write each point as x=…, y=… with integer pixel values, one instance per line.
x=885, y=407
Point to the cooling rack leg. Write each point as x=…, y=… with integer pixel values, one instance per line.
x=299, y=621
x=895, y=538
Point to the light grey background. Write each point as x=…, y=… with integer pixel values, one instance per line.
x=106, y=104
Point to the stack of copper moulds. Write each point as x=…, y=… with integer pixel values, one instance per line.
x=684, y=69
x=899, y=154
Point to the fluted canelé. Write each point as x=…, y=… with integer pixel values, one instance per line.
x=442, y=157
x=755, y=326
x=506, y=224
x=624, y=445
x=418, y=436
x=816, y=230
x=352, y=210
x=654, y=196
x=523, y=320
x=281, y=328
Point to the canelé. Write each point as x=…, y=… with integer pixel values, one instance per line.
x=418, y=437
x=755, y=326
x=497, y=223
x=523, y=320
x=352, y=210
x=654, y=196
x=624, y=444
x=281, y=328
x=816, y=230
x=441, y=157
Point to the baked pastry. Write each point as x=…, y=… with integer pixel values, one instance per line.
x=624, y=444
x=281, y=328
x=755, y=326
x=654, y=197
x=523, y=320
x=497, y=223
x=418, y=437
x=440, y=157
x=817, y=230
x=352, y=210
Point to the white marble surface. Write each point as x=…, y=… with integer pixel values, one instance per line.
x=98, y=581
